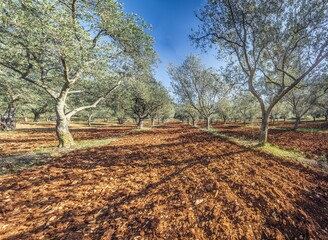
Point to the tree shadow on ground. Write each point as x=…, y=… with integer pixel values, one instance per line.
x=200, y=187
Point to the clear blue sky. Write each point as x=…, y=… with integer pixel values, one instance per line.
x=172, y=21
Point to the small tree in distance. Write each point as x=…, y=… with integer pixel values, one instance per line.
x=197, y=86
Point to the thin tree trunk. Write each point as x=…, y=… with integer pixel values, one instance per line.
x=152, y=121
x=208, y=122
x=264, y=129
x=62, y=123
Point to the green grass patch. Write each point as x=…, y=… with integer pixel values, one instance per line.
x=311, y=130
x=272, y=149
x=275, y=150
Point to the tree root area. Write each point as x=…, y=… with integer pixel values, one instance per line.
x=171, y=182
x=31, y=137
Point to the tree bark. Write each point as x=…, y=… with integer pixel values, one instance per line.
x=120, y=120
x=8, y=120
x=208, y=122
x=152, y=121
x=297, y=123
x=62, y=123
x=37, y=117
x=264, y=129
x=140, y=123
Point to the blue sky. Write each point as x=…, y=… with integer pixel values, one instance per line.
x=172, y=21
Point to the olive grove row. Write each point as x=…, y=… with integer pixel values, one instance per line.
x=73, y=56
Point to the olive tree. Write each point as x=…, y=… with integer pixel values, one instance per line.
x=197, y=86
x=66, y=47
x=305, y=98
x=246, y=106
x=264, y=38
x=147, y=97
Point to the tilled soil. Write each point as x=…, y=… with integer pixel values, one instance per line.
x=313, y=145
x=171, y=182
x=30, y=137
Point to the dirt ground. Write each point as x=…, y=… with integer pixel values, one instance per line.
x=171, y=182
x=311, y=144
x=33, y=136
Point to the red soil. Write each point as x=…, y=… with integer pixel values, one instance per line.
x=30, y=137
x=172, y=182
x=313, y=144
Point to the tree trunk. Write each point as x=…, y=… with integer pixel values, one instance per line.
x=264, y=129
x=313, y=119
x=224, y=120
x=37, y=117
x=297, y=123
x=152, y=121
x=140, y=123
x=120, y=120
x=8, y=119
x=244, y=122
x=63, y=134
x=193, y=122
x=208, y=122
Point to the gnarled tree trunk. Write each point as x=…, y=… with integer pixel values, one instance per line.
x=8, y=121
x=140, y=123
x=37, y=117
x=64, y=136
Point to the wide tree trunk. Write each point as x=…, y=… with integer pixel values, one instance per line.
x=62, y=127
x=140, y=123
x=264, y=129
x=120, y=120
x=297, y=123
x=37, y=117
x=8, y=120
